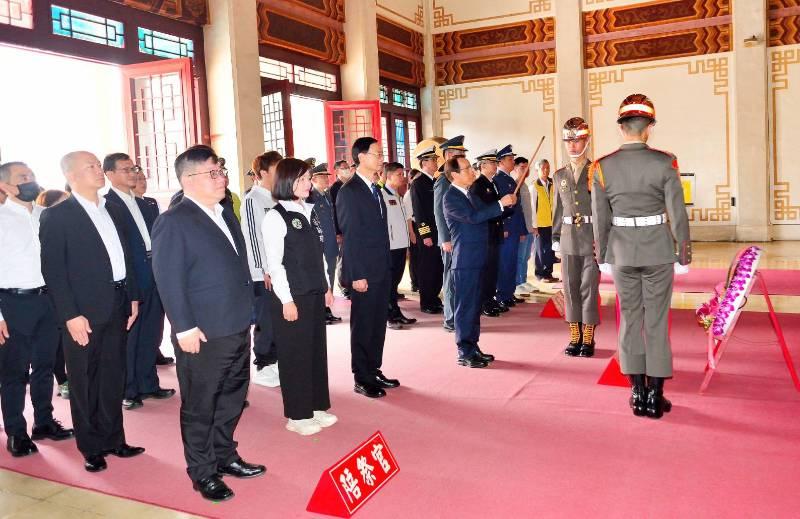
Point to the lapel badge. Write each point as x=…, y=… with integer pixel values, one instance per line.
x=296, y=223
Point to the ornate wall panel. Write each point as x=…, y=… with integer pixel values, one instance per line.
x=530, y=113
x=501, y=51
x=400, y=52
x=191, y=11
x=463, y=14
x=409, y=13
x=784, y=104
x=656, y=30
x=784, y=22
x=310, y=27
x=683, y=122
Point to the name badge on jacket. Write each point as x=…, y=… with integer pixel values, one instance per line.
x=392, y=202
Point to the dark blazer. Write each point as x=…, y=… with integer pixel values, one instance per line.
x=467, y=220
x=202, y=281
x=144, y=272
x=440, y=187
x=333, y=191
x=365, y=244
x=483, y=189
x=423, y=204
x=153, y=209
x=75, y=263
x=325, y=213
x=513, y=217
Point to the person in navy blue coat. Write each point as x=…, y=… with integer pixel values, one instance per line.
x=144, y=338
x=513, y=228
x=467, y=220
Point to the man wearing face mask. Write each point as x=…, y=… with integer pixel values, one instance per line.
x=28, y=330
x=573, y=239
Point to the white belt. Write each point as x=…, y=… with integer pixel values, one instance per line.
x=569, y=220
x=640, y=221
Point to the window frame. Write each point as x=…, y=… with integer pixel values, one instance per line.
x=295, y=58
x=393, y=112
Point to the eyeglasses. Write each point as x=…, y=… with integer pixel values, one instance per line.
x=214, y=173
x=251, y=173
x=130, y=170
x=379, y=155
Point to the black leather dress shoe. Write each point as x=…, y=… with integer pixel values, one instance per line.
x=164, y=361
x=20, y=446
x=330, y=318
x=572, y=349
x=382, y=381
x=431, y=310
x=473, y=361
x=449, y=328
x=401, y=296
x=213, y=489
x=509, y=303
x=94, y=463
x=129, y=404
x=488, y=357
x=125, y=451
x=242, y=469
x=638, y=399
x=501, y=307
x=369, y=390
x=394, y=324
x=586, y=350
x=52, y=431
x=517, y=299
x=158, y=394
x=490, y=311
x=406, y=320
x=656, y=404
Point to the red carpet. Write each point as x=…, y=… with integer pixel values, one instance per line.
x=779, y=282
x=534, y=436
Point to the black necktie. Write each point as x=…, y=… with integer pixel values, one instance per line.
x=376, y=194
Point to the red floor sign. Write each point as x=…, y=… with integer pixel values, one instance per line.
x=344, y=487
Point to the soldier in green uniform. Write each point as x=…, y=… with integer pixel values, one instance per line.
x=642, y=237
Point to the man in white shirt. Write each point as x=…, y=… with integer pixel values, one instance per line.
x=28, y=330
x=397, y=220
x=256, y=204
x=145, y=337
x=412, y=233
x=90, y=276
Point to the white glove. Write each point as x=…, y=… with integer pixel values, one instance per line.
x=605, y=268
x=556, y=246
x=681, y=269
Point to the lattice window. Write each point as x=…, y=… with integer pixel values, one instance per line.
x=384, y=138
x=164, y=45
x=160, y=123
x=347, y=127
x=18, y=13
x=298, y=75
x=384, y=94
x=88, y=27
x=405, y=99
x=412, y=135
x=400, y=140
x=272, y=117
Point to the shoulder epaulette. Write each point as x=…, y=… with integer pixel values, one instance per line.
x=671, y=156
x=595, y=169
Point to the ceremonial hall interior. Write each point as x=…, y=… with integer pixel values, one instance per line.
x=538, y=433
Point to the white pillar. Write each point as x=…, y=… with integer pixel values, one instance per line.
x=429, y=94
x=570, y=84
x=234, y=85
x=360, y=74
x=751, y=155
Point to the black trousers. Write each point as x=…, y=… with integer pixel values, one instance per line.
x=60, y=368
x=545, y=257
x=429, y=274
x=412, y=264
x=398, y=267
x=264, y=348
x=467, y=310
x=97, y=381
x=368, y=313
x=303, y=356
x=144, y=340
x=489, y=276
x=27, y=356
x=213, y=387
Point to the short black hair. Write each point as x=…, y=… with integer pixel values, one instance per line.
x=391, y=167
x=361, y=145
x=289, y=170
x=452, y=166
x=110, y=162
x=341, y=163
x=192, y=156
x=520, y=160
x=265, y=161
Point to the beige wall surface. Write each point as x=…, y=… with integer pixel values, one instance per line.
x=453, y=15
x=409, y=13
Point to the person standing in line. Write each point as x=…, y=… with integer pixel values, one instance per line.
x=523, y=288
x=323, y=207
x=430, y=266
x=300, y=293
x=412, y=231
x=343, y=174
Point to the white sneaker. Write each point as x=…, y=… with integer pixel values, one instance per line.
x=305, y=427
x=521, y=291
x=267, y=376
x=530, y=288
x=325, y=419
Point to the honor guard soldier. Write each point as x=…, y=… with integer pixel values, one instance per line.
x=484, y=190
x=513, y=228
x=636, y=192
x=574, y=240
x=451, y=149
x=429, y=270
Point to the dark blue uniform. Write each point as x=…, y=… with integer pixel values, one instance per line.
x=514, y=225
x=467, y=219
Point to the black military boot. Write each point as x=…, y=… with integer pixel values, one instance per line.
x=587, y=341
x=574, y=346
x=657, y=405
x=638, y=400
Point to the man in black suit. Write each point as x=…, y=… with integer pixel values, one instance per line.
x=343, y=175
x=366, y=267
x=430, y=267
x=144, y=338
x=200, y=266
x=88, y=270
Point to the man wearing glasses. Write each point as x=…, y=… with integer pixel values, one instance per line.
x=201, y=269
x=144, y=338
